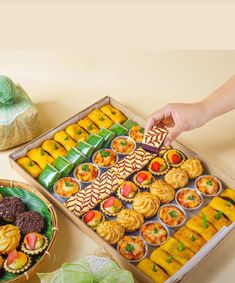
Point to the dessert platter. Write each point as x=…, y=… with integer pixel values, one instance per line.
x=158, y=210
x=28, y=229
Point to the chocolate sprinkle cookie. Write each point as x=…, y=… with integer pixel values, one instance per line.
x=30, y=221
x=10, y=207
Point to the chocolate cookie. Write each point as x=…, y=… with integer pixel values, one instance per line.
x=30, y=221
x=10, y=207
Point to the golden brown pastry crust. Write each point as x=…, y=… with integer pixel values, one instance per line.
x=177, y=178
x=130, y=219
x=9, y=238
x=147, y=204
x=163, y=191
x=110, y=231
x=193, y=167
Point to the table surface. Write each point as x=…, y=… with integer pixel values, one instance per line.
x=61, y=83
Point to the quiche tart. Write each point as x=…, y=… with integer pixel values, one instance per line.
x=127, y=191
x=193, y=167
x=110, y=231
x=147, y=204
x=132, y=248
x=93, y=218
x=172, y=215
x=123, y=145
x=137, y=133
x=208, y=185
x=130, y=219
x=143, y=179
x=105, y=158
x=111, y=206
x=163, y=191
x=86, y=172
x=189, y=198
x=154, y=233
x=177, y=178
x=158, y=166
x=66, y=187
x=175, y=157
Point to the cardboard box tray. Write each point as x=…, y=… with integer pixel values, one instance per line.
x=186, y=269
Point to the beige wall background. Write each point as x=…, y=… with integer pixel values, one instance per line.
x=63, y=82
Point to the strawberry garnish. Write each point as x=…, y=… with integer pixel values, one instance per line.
x=109, y=202
x=89, y=216
x=12, y=256
x=141, y=177
x=31, y=239
x=176, y=158
x=126, y=189
x=156, y=166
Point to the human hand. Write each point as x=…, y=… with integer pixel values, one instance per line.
x=179, y=117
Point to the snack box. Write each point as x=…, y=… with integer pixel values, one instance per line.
x=76, y=217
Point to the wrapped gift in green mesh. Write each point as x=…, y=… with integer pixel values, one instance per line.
x=49, y=176
x=107, y=135
x=18, y=116
x=118, y=129
x=86, y=149
x=129, y=124
x=63, y=165
x=75, y=156
x=96, y=141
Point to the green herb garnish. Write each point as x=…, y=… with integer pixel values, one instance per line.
x=89, y=127
x=229, y=204
x=129, y=248
x=169, y=259
x=193, y=238
x=190, y=197
x=154, y=268
x=209, y=183
x=85, y=168
x=68, y=184
x=101, y=118
x=204, y=221
x=181, y=247
x=156, y=230
x=30, y=164
x=218, y=215
x=79, y=132
x=42, y=152
x=104, y=153
x=141, y=130
x=66, y=138
x=55, y=146
x=173, y=214
x=123, y=143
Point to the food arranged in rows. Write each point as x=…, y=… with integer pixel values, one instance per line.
x=85, y=150
x=25, y=233
x=160, y=215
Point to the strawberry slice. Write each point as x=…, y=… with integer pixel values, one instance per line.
x=89, y=216
x=141, y=177
x=109, y=202
x=126, y=189
x=12, y=256
x=176, y=158
x=156, y=166
x=31, y=239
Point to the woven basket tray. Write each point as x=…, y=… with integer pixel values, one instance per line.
x=36, y=267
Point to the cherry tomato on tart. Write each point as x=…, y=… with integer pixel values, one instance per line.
x=123, y=145
x=137, y=133
x=154, y=233
x=93, y=218
x=132, y=248
x=208, y=185
x=189, y=198
x=127, y=191
x=175, y=157
x=105, y=158
x=143, y=179
x=66, y=187
x=86, y=172
x=158, y=166
x=111, y=206
x=172, y=215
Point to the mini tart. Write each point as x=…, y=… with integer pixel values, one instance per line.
x=34, y=243
x=130, y=219
x=177, y=178
x=175, y=157
x=127, y=191
x=66, y=187
x=17, y=262
x=158, y=166
x=111, y=206
x=208, y=185
x=92, y=218
x=163, y=191
x=147, y=204
x=154, y=233
x=193, y=167
x=105, y=158
x=188, y=198
x=132, y=248
x=123, y=145
x=86, y=172
x=137, y=133
x=171, y=215
x=143, y=179
x=164, y=149
x=110, y=231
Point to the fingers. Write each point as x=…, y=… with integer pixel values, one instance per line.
x=173, y=134
x=155, y=118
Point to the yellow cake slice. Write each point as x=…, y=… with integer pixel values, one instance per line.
x=100, y=119
x=166, y=261
x=54, y=148
x=88, y=125
x=77, y=133
x=32, y=168
x=64, y=139
x=225, y=206
x=113, y=113
x=39, y=156
x=152, y=270
x=177, y=249
x=228, y=193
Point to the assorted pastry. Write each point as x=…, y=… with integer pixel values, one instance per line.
x=154, y=233
x=92, y=218
x=66, y=187
x=158, y=166
x=172, y=215
x=111, y=206
x=123, y=145
x=143, y=179
x=189, y=198
x=175, y=157
x=127, y=191
x=105, y=158
x=86, y=172
x=208, y=185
